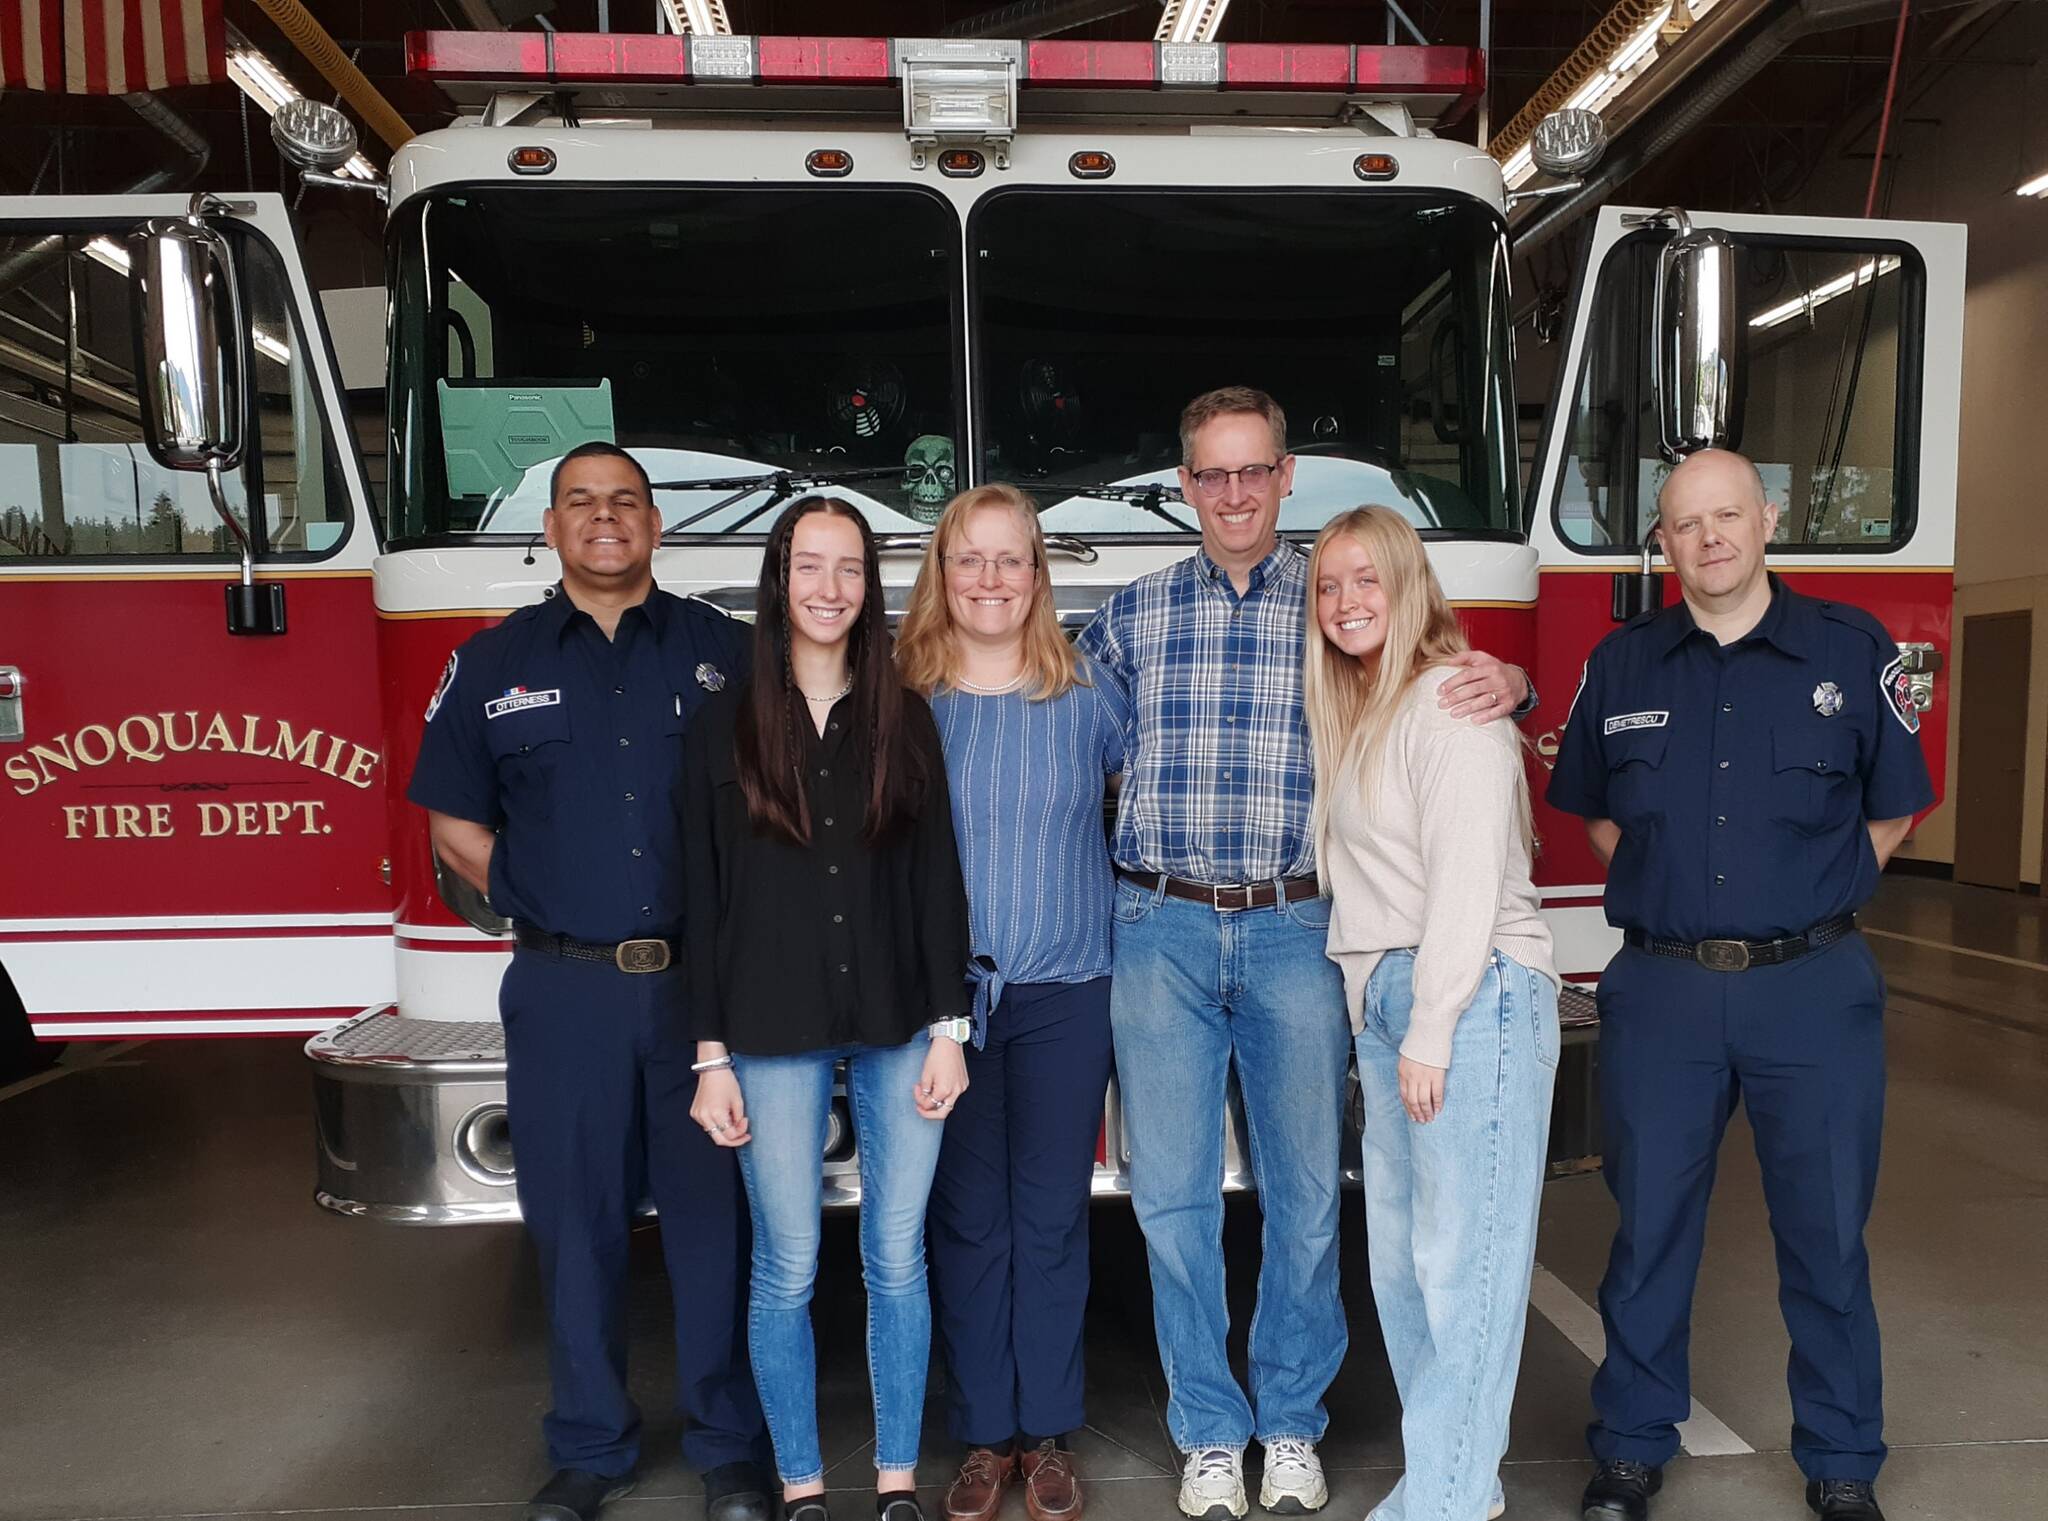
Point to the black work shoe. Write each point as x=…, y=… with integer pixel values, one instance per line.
x=1843, y=1500
x=1620, y=1491
x=573, y=1495
x=737, y=1492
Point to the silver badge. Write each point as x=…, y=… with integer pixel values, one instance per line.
x=710, y=677
x=1827, y=699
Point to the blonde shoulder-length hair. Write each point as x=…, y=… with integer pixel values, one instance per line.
x=928, y=656
x=1351, y=704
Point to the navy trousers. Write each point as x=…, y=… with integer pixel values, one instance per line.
x=1802, y=1047
x=1008, y=1218
x=599, y=1089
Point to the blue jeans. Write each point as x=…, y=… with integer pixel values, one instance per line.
x=787, y=1100
x=1196, y=991
x=1450, y=1223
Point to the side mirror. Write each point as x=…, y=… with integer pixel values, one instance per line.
x=1694, y=372
x=191, y=363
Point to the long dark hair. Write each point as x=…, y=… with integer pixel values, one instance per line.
x=774, y=734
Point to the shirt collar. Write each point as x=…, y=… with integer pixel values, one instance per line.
x=563, y=611
x=1264, y=574
x=1786, y=623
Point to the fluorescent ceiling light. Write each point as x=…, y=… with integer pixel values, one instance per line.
x=262, y=82
x=2035, y=186
x=1631, y=59
x=1803, y=303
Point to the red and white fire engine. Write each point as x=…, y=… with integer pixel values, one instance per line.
x=766, y=265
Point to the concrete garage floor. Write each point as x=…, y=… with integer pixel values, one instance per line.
x=184, y=1334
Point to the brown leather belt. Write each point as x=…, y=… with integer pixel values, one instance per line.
x=1741, y=955
x=651, y=955
x=1227, y=897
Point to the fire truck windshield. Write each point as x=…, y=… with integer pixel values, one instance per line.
x=1377, y=319
x=723, y=334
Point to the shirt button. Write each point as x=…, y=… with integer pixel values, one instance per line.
x=828, y=821
x=1228, y=719
x=621, y=691
x=623, y=741
x=636, y=851
x=843, y=967
x=824, y=771
x=831, y=871
x=1822, y=764
x=645, y=911
x=629, y=797
x=1720, y=819
x=833, y=726
x=1722, y=764
x=1727, y=707
x=1719, y=879
x=839, y=918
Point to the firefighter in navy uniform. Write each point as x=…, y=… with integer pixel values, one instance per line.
x=550, y=767
x=1746, y=761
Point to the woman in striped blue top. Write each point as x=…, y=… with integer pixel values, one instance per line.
x=1030, y=741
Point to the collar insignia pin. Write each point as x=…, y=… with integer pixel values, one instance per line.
x=1827, y=699
x=710, y=677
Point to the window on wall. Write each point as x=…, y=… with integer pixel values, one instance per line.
x=76, y=480
x=1829, y=334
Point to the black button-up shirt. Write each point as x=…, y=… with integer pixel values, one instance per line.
x=805, y=948
x=569, y=744
x=1743, y=776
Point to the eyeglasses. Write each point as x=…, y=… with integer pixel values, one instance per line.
x=1009, y=567
x=1213, y=482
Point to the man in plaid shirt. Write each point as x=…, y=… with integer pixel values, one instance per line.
x=1219, y=953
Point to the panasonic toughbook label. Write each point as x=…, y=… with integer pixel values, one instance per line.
x=518, y=700
x=1624, y=721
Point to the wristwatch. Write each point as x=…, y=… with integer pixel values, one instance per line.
x=959, y=1028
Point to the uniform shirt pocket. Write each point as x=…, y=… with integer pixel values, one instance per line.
x=1635, y=765
x=1813, y=778
x=531, y=750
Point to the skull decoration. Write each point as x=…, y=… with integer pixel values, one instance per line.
x=928, y=476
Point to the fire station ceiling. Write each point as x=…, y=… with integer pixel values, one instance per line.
x=1815, y=101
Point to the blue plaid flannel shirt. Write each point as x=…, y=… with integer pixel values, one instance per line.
x=1220, y=778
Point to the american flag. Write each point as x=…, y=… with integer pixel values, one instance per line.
x=110, y=47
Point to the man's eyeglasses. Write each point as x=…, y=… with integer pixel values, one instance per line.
x=1007, y=566
x=1213, y=482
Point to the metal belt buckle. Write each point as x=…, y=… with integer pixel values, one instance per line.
x=1242, y=889
x=1722, y=955
x=641, y=955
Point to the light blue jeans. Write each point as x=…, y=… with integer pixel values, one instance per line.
x=1196, y=991
x=787, y=1100
x=1450, y=1224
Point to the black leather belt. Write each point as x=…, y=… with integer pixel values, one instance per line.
x=1228, y=897
x=1741, y=955
x=653, y=955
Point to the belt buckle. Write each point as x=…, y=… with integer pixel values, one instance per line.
x=1722, y=955
x=641, y=956
x=1242, y=889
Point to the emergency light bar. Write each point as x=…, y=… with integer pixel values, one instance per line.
x=1437, y=84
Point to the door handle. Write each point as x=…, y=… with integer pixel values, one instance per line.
x=11, y=723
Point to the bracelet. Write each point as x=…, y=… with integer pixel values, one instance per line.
x=716, y=1064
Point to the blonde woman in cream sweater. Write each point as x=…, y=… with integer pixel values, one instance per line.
x=1422, y=831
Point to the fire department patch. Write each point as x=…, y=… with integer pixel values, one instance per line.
x=441, y=691
x=1897, y=686
x=1827, y=699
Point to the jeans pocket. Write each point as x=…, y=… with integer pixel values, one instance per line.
x=1131, y=904
x=1309, y=913
x=1540, y=997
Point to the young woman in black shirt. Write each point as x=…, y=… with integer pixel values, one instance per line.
x=826, y=921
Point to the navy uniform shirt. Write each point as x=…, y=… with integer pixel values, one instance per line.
x=1742, y=776
x=570, y=746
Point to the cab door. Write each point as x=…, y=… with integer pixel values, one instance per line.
x=1848, y=385
x=192, y=819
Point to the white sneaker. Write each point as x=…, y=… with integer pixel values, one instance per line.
x=1212, y=1484
x=1293, y=1481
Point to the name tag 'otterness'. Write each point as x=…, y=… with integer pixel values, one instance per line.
x=1624, y=721
x=519, y=699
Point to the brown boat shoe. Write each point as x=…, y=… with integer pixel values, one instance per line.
x=976, y=1493
x=1051, y=1490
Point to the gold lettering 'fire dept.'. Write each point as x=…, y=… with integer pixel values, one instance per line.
x=153, y=737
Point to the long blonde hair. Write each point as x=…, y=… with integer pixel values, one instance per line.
x=926, y=653
x=1351, y=704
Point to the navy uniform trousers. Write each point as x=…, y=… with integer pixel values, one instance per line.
x=599, y=1087
x=1801, y=1045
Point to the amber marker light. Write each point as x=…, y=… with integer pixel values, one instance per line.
x=1091, y=164
x=531, y=160
x=961, y=163
x=829, y=163
x=1375, y=166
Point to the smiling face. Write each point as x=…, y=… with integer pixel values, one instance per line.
x=1713, y=523
x=1351, y=604
x=1238, y=521
x=989, y=603
x=601, y=523
x=827, y=578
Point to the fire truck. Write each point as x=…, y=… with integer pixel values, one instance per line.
x=890, y=269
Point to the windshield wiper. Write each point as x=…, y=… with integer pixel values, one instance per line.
x=779, y=484
x=1148, y=498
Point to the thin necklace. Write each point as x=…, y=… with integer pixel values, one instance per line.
x=990, y=691
x=835, y=696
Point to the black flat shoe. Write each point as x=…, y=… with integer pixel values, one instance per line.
x=810, y=1508
x=737, y=1492
x=573, y=1495
x=1620, y=1491
x=1843, y=1500
x=899, y=1506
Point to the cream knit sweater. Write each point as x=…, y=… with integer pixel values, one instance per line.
x=1432, y=861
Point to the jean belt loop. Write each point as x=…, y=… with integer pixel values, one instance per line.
x=1280, y=896
x=1159, y=890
